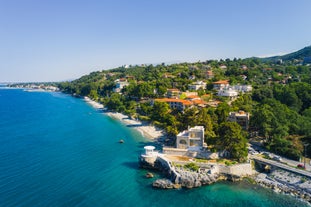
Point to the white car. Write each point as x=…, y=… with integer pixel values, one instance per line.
x=277, y=158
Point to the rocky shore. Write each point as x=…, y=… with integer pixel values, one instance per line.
x=187, y=179
x=178, y=176
x=281, y=181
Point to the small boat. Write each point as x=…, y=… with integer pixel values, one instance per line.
x=121, y=141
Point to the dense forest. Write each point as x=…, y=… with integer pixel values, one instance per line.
x=279, y=104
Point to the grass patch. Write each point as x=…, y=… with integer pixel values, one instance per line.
x=192, y=166
x=201, y=160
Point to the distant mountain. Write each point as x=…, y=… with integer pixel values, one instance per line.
x=298, y=55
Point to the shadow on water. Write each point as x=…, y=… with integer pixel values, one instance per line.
x=132, y=165
x=134, y=125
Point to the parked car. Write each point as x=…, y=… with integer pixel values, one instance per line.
x=301, y=166
x=277, y=158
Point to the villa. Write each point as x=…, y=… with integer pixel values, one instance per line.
x=191, y=139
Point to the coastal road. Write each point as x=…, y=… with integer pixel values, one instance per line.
x=280, y=165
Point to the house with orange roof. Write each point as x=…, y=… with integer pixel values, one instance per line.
x=221, y=84
x=175, y=103
x=196, y=100
x=199, y=103
x=209, y=74
x=193, y=97
x=130, y=77
x=173, y=93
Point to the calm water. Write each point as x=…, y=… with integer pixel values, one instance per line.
x=56, y=150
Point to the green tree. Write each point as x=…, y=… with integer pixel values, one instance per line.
x=204, y=119
x=115, y=103
x=232, y=139
x=159, y=111
x=222, y=112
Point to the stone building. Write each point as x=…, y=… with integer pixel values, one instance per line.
x=192, y=139
x=241, y=117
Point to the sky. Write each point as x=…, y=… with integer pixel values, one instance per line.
x=57, y=40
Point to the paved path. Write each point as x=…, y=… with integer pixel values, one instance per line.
x=280, y=165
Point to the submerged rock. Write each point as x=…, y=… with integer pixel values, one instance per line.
x=149, y=175
x=164, y=184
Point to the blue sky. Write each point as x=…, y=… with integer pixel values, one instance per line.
x=59, y=40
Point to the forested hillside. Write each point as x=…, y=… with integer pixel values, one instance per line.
x=279, y=104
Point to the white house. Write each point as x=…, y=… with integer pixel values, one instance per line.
x=197, y=85
x=243, y=88
x=221, y=84
x=192, y=139
x=120, y=84
x=231, y=93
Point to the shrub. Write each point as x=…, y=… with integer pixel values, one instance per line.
x=192, y=166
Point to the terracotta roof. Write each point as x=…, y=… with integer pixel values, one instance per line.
x=197, y=102
x=213, y=103
x=173, y=89
x=193, y=97
x=184, y=102
x=221, y=82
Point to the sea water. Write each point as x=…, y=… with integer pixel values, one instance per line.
x=56, y=150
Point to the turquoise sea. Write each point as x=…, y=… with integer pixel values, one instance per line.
x=56, y=150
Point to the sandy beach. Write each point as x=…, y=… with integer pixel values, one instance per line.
x=93, y=103
x=148, y=131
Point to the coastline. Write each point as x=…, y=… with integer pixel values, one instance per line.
x=147, y=131
x=302, y=192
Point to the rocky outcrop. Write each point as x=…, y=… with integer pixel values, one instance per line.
x=188, y=178
x=165, y=184
x=191, y=179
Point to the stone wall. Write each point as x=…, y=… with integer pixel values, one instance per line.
x=174, y=151
x=241, y=170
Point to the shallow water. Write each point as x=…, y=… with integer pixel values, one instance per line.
x=56, y=150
